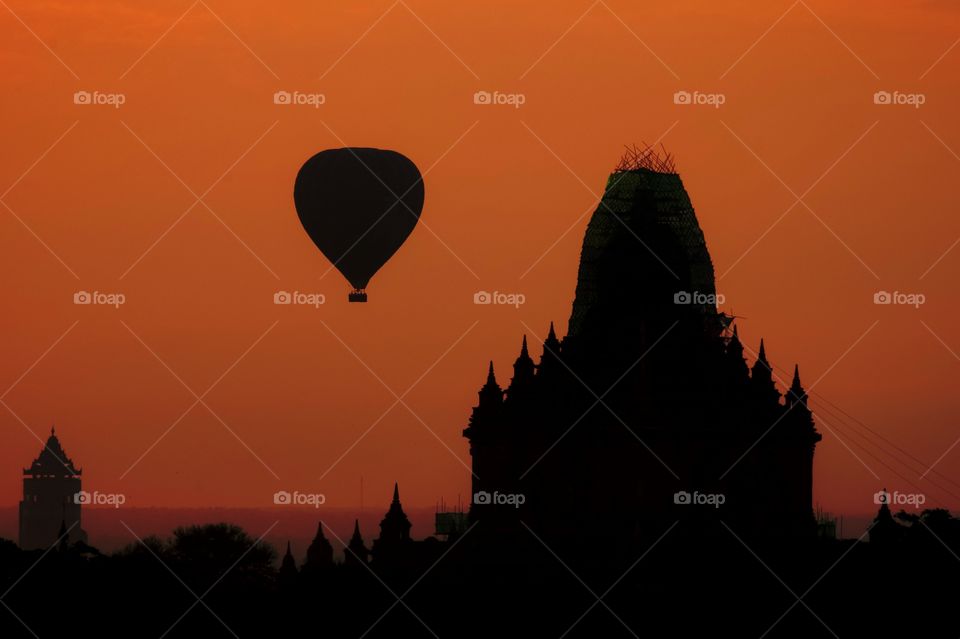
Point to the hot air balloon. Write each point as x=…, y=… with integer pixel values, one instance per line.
x=358, y=205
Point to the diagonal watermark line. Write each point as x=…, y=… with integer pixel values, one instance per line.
x=819, y=19
x=39, y=159
x=599, y=598
x=940, y=140
x=836, y=410
x=591, y=208
x=558, y=40
x=31, y=431
x=357, y=41
x=39, y=359
x=17, y=617
x=938, y=60
x=399, y=398
x=599, y=400
x=639, y=39
x=395, y=402
x=439, y=39
x=600, y=198
x=239, y=39
x=19, y=179
x=19, y=379
x=940, y=259
x=937, y=537
x=757, y=41
x=157, y=41
x=418, y=19
x=199, y=199
x=954, y=444
x=56, y=543
x=954, y=154
x=579, y=20
x=822, y=422
x=839, y=39
x=397, y=201
x=399, y=598
x=199, y=598
x=199, y=399
x=397, y=198
x=807, y=591
x=799, y=598
x=791, y=407
x=39, y=39
x=799, y=199
x=619, y=579
x=40, y=239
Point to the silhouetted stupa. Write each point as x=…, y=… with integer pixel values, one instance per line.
x=646, y=398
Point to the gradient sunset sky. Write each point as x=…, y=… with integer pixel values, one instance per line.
x=200, y=391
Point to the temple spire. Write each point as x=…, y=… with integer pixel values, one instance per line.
x=551, y=353
x=357, y=552
x=796, y=393
x=761, y=378
x=523, y=371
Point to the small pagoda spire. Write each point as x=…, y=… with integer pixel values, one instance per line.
x=796, y=394
x=395, y=525
x=551, y=353
x=320, y=551
x=761, y=377
x=490, y=393
x=288, y=570
x=357, y=552
x=523, y=371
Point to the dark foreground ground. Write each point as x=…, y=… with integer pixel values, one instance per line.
x=215, y=584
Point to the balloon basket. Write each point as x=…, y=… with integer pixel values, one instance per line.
x=357, y=296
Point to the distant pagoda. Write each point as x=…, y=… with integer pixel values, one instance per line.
x=50, y=503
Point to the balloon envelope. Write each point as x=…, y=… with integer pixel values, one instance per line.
x=358, y=205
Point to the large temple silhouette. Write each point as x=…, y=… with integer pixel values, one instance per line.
x=49, y=509
x=647, y=398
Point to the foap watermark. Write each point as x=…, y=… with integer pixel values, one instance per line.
x=896, y=498
x=96, y=498
x=696, y=498
x=298, y=98
x=898, y=298
x=697, y=98
x=897, y=98
x=98, y=298
x=484, y=298
x=496, y=498
x=296, y=498
x=97, y=98
x=696, y=297
x=299, y=299
x=516, y=100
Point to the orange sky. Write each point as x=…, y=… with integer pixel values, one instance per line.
x=506, y=193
